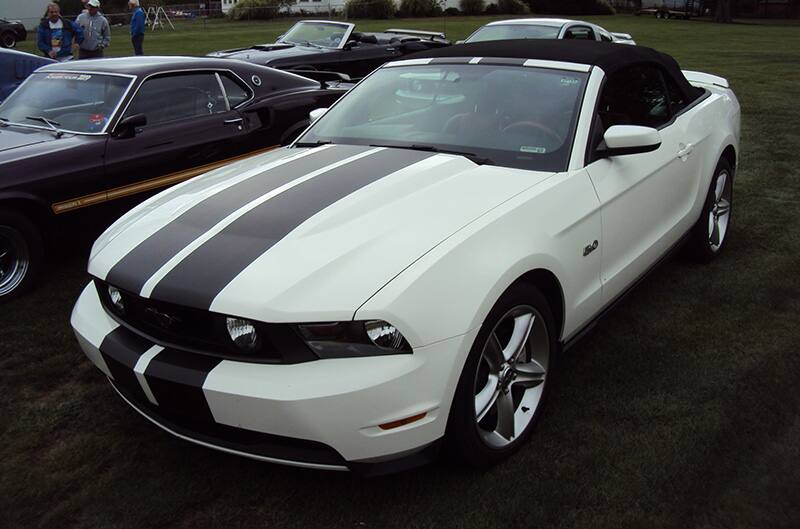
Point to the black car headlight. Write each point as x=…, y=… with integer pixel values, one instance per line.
x=354, y=338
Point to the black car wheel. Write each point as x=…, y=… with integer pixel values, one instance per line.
x=711, y=231
x=502, y=388
x=21, y=253
x=8, y=39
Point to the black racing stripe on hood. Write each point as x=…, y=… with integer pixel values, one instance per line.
x=199, y=278
x=133, y=270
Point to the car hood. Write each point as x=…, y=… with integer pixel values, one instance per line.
x=267, y=53
x=13, y=137
x=299, y=234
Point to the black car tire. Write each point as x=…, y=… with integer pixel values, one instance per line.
x=466, y=437
x=21, y=254
x=8, y=39
x=701, y=245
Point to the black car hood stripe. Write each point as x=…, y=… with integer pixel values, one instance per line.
x=202, y=275
x=133, y=270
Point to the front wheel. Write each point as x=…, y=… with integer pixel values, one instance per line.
x=8, y=40
x=711, y=231
x=504, y=380
x=21, y=253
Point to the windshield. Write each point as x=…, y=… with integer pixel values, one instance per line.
x=75, y=102
x=512, y=116
x=514, y=31
x=322, y=34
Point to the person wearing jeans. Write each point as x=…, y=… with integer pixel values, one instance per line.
x=96, y=32
x=137, y=27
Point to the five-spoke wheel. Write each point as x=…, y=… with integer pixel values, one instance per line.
x=711, y=230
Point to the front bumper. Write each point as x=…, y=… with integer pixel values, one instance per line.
x=321, y=414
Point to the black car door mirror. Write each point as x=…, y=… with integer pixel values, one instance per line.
x=127, y=127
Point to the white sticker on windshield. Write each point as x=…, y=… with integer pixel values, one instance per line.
x=569, y=81
x=69, y=76
x=535, y=150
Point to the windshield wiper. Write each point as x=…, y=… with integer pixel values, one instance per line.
x=49, y=122
x=471, y=156
x=312, y=143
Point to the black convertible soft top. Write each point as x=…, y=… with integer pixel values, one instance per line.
x=605, y=55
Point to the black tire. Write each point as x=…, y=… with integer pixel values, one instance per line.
x=8, y=39
x=701, y=245
x=464, y=441
x=21, y=254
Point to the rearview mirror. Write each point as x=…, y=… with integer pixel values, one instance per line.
x=317, y=113
x=127, y=127
x=629, y=139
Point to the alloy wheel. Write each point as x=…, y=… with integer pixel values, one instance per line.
x=510, y=376
x=720, y=213
x=14, y=259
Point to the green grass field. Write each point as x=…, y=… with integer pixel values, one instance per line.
x=680, y=410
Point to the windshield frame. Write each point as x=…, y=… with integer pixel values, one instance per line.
x=538, y=64
x=114, y=114
x=348, y=29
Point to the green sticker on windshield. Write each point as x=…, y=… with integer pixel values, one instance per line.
x=535, y=150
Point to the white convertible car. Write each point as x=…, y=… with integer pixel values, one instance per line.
x=546, y=28
x=399, y=280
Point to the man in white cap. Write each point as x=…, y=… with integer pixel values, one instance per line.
x=96, y=32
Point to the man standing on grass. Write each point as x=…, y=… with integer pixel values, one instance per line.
x=96, y=33
x=56, y=35
x=137, y=27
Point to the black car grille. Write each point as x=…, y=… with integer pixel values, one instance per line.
x=202, y=331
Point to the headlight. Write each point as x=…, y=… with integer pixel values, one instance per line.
x=354, y=338
x=115, y=296
x=243, y=334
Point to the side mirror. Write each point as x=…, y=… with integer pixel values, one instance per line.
x=629, y=139
x=127, y=127
x=317, y=113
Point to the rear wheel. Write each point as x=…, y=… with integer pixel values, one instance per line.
x=503, y=383
x=21, y=254
x=8, y=39
x=711, y=231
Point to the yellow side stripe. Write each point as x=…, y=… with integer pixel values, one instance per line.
x=147, y=185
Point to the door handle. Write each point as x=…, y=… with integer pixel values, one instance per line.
x=234, y=120
x=685, y=151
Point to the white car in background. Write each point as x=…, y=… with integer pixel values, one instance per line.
x=399, y=280
x=546, y=28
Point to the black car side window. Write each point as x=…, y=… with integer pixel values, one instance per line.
x=175, y=97
x=236, y=93
x=579, y=33
x=635, y=96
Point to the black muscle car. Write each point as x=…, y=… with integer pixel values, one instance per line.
x=11, y=32
x=335, y=47
x=79, y=135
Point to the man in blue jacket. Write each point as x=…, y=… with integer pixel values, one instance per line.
x=137, y=27
x=56, y=35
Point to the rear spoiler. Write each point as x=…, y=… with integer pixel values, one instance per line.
x=417, y=33
x=322, y=77
x=705, y=78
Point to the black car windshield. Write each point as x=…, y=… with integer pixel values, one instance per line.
x=74, y=102
x=512, y=116
x=325, y=34
x=514, y=31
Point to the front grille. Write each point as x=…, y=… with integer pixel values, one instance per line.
x=201, y=331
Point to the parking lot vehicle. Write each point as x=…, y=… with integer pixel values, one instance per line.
x=15, y=67
x=400, y=280
x=546, y=28
x=336, y=47
x=11, y=32
x=684, y=9
x=77, y=136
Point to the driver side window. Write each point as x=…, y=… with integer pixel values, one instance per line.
x=175, y=97
x=579, y=33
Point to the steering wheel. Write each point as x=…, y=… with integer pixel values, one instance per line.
x=526, y=127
